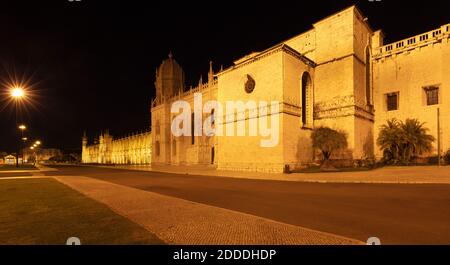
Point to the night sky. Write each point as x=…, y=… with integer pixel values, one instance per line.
x=90, y=65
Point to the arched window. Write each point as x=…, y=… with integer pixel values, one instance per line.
x=368, y=79
x=307, y=106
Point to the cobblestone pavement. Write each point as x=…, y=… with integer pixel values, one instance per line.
x=391, y=175
x=178, y=221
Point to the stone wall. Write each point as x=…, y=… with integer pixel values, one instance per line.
x=180, y=150
x=406, y=70
x=245, y=152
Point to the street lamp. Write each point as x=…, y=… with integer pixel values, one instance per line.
x=24, y=139
x=35, y=147
x=21, y=128
x=17, y=93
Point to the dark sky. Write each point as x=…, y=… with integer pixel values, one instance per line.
x=90, y=65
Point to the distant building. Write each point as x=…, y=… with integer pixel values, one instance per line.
x=135, y=149
x=10, y=160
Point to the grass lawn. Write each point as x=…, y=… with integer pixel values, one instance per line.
x=21, y=167
x=44, y=211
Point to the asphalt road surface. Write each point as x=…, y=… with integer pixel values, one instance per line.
x=395, y=213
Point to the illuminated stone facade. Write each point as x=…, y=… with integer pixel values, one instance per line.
x=184, y=150
x=338, y=74
x=135, y=149
x=415, y=73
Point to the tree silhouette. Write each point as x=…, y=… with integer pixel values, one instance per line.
x=327, y=141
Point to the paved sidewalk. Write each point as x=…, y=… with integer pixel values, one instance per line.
x=392, y=175
x=25, y=177
x=40, y=168
x=178, y=221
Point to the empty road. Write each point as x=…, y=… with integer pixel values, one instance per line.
x=395, y=213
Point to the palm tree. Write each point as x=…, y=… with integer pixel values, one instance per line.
x=390, y=140
x=417, y=141
x=401, y=141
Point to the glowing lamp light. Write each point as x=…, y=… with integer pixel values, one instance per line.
x=22, y=127
x=32, y=148
x=17, y=92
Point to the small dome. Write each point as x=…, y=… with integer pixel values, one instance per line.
x=169, y=78
x=170, y=68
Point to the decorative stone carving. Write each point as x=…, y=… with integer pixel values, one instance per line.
x=250, y=84
x=341, y=106
x=338, y=106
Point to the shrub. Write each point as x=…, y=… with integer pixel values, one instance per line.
x=447, y=157
x=328, y=140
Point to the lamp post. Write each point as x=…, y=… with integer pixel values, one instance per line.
x=34, y=154
x=24, y=139
x=17, y=93
x=36, y=151
x=21, y=128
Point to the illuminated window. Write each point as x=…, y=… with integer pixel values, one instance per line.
x=306, y=96
x=368, y=80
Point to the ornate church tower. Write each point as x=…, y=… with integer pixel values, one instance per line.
x=169, y=82
x=169, y=79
